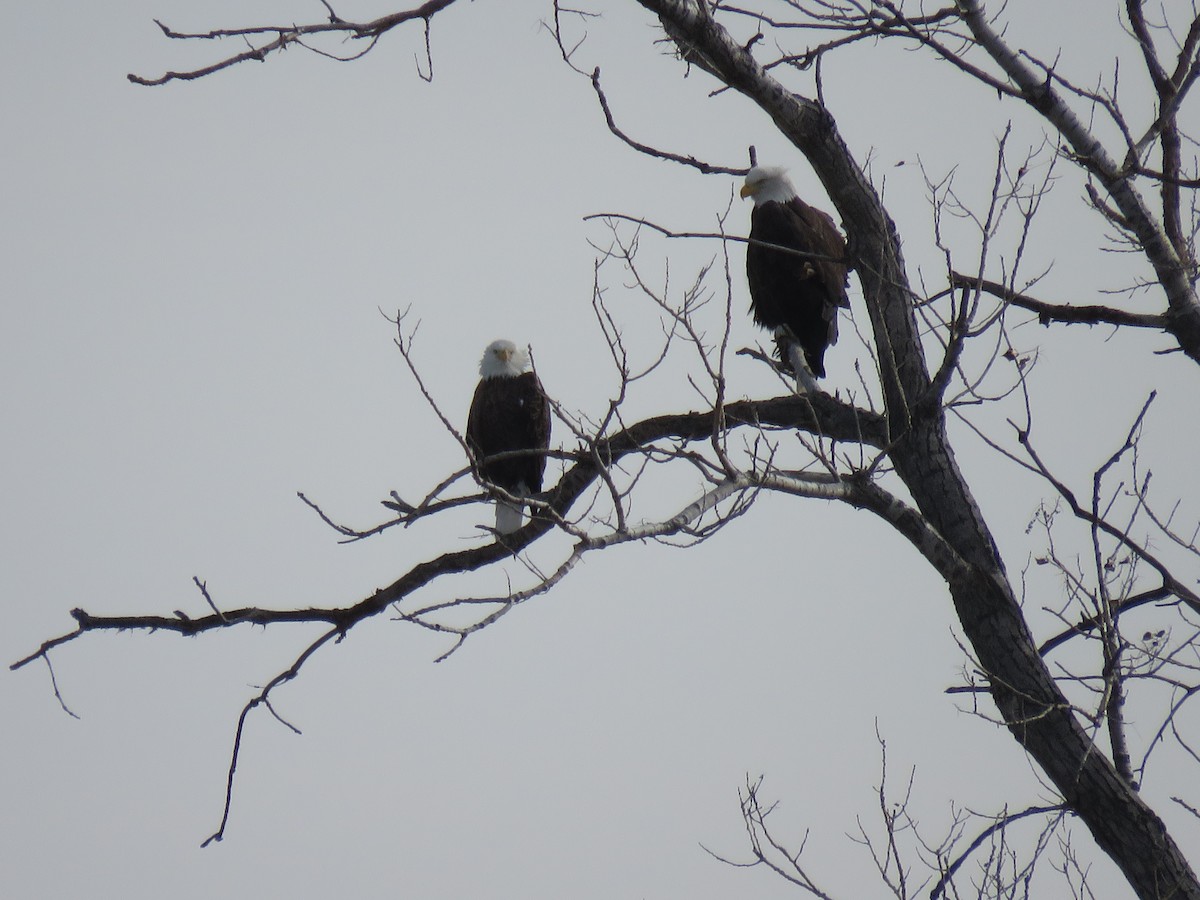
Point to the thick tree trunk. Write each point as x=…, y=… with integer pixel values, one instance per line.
x=1026, y=695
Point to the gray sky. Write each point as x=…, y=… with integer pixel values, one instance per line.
x=193, y=279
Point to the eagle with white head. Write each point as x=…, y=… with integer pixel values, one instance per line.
x=796, y=292
x=509, y=419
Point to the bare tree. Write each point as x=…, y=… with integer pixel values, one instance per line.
x=932, y=356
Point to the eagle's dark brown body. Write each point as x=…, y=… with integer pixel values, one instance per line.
x=510, y=412
x=787, y=289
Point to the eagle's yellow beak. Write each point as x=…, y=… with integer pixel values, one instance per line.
x=748, y=190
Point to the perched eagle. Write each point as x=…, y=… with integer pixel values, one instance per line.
x=509, y=413
x=788, y=290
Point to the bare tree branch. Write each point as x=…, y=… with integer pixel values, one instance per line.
x=286, y=35
x=706, y=168
x=1056, y=312
x=822, y=414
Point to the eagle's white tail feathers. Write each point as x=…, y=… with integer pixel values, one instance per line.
x=509, y=516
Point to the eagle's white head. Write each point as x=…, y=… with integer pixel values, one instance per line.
x=767, y=184
x=503, y=359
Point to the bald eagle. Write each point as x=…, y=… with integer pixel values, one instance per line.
x=509, y=413
x=788, y=291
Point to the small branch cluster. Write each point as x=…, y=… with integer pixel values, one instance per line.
x=977, y=857
x=1110, y=586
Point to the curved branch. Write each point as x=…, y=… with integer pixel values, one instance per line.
x=1088, y=623
x=819, y=414
x=290, y=34
x=646, y=148
x=262, y=699
x=1056, y=312
x=940, y=888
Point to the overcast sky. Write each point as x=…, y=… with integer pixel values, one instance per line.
x=195, y=284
